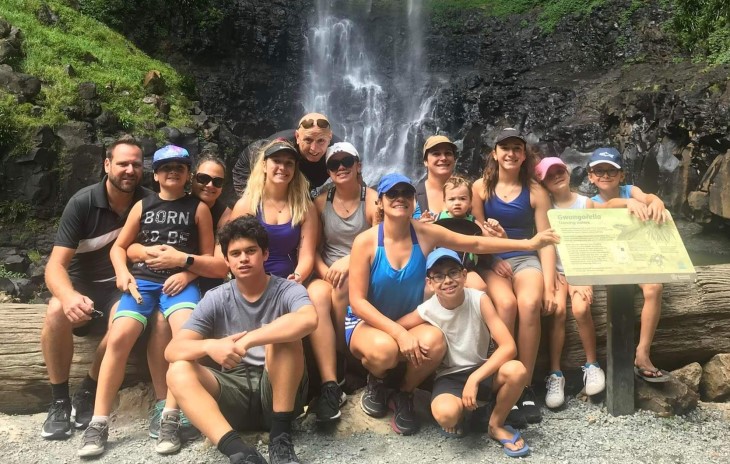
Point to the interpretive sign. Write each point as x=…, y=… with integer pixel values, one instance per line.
x=612, y=247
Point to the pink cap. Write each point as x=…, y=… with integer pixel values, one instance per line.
x=545, y=164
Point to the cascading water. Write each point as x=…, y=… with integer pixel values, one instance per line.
x=382, y=117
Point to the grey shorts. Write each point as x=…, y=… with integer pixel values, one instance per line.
x=453, y=384
x=246, y=397
x=520, y=263
x=104, y=295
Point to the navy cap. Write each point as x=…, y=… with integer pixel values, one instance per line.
x=508, y=133
x=389, y=181
x=170, y=153
x=441, y=253
x=606, y=155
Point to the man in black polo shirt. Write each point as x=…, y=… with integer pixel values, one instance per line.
x=311, y=138
x=81, y=278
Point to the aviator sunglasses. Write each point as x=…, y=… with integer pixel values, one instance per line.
x=347, y=162
x=308, y=123
x=204, y=179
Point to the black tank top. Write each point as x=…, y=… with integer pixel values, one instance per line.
x=167, y=222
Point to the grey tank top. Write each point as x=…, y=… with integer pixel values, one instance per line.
x=339, y=233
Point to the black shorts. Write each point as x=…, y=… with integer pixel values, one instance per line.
x=104, y=295
x=453, y=384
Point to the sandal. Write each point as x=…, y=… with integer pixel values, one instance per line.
x=653, y=375
x=524, y=451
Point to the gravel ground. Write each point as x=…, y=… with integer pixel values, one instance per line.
x=580, y=432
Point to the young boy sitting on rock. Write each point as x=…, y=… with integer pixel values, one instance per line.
x=468, y=321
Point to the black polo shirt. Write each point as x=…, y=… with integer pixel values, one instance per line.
x=90, y=226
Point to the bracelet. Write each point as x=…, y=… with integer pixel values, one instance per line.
x=297, y=275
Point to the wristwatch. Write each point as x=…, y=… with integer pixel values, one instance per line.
x=189, y=261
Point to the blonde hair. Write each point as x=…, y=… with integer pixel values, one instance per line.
x=455, y=182
x=297, y=190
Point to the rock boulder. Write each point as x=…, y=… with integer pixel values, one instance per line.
x=665, y=399
x=715, y=383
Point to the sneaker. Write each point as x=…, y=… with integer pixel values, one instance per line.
x=168, y=440
x=374, y=399
x=281, y=450
x=516, y=418
x=155, y=416
x=57, y=425
x=94, y=439
x=188, y=432
x=330, y=400
x=404, y=419
x=594, y=379
x=82, y=407
x=528, y=405
x=251, y=457
x=555, y=396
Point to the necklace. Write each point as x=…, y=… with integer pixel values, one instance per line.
x=510, y=192
x=277, y=208
x=344, y=205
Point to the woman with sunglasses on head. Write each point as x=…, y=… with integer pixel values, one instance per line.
x=277, y=194
x=345, y=211
x=439, y=158
x=387, y=281
x=521, y=284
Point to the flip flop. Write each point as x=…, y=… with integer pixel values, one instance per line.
x=524, y=451
x=641, y=372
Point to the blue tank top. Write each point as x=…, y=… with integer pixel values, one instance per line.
x=283, y=245
x=624, y=191
x=517, y=217
x=393, y=292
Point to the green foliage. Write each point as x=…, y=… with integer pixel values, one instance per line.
x=703, y=26
x=10, y=275
x=35, y=256
x=97, y=54
x=13, y=210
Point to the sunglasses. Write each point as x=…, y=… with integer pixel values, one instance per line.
x=172, y=168
x=453, y=274
x=309, y=123
x=96, y=314
x=347, y=162
x=205, y=179
x=392, y=194
x=612, y=172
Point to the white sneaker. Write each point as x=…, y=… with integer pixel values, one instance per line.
x=555, y=391
x=594, y=379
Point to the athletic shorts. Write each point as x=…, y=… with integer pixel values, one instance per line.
x=453, y=384
x=351, y=321
x=153, y=297
x=520, y=263
x=104, y=295
x=246, y=396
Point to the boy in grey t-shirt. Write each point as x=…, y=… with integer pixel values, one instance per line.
x=253, y=327
x=468, y=319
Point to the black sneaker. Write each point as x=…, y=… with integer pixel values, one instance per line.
x=516, y=418
x=330, y=400
x=374, y=399
x=404, y=419
x=82, y=407
x=251, y=457
x=94, y=439
x=529, y=407
x=57, y=425
x=281, y=450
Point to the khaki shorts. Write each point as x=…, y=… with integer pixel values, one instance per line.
x=246, y=397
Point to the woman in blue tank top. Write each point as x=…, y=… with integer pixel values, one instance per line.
x=387, y=280
x=521, y=286
x=277, y=193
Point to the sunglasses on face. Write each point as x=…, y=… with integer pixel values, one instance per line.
x=172, y=168
x=309, y=123
x=407, y=193
x=205, y=179
x=347, y=162
x=453, y=274
x=611, y=172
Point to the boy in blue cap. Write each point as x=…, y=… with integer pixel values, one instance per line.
x=169, y=218
x=466, y=374
x=605, y=171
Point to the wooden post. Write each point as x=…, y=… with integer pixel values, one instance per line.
x=620, y=348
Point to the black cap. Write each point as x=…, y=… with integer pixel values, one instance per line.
x=509, y=133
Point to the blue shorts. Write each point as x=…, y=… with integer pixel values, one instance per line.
x=351, y=321
x=153, y=297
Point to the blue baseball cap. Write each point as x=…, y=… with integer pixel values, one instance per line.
x=170, y=153
x=441, y=253
x=389, y=181
x=606, y=155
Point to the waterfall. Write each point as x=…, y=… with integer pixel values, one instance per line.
x=382, y=116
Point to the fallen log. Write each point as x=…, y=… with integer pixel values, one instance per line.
x=695, y=325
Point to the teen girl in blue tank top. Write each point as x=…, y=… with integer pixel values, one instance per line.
x=387, y=277
x=520, y=285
